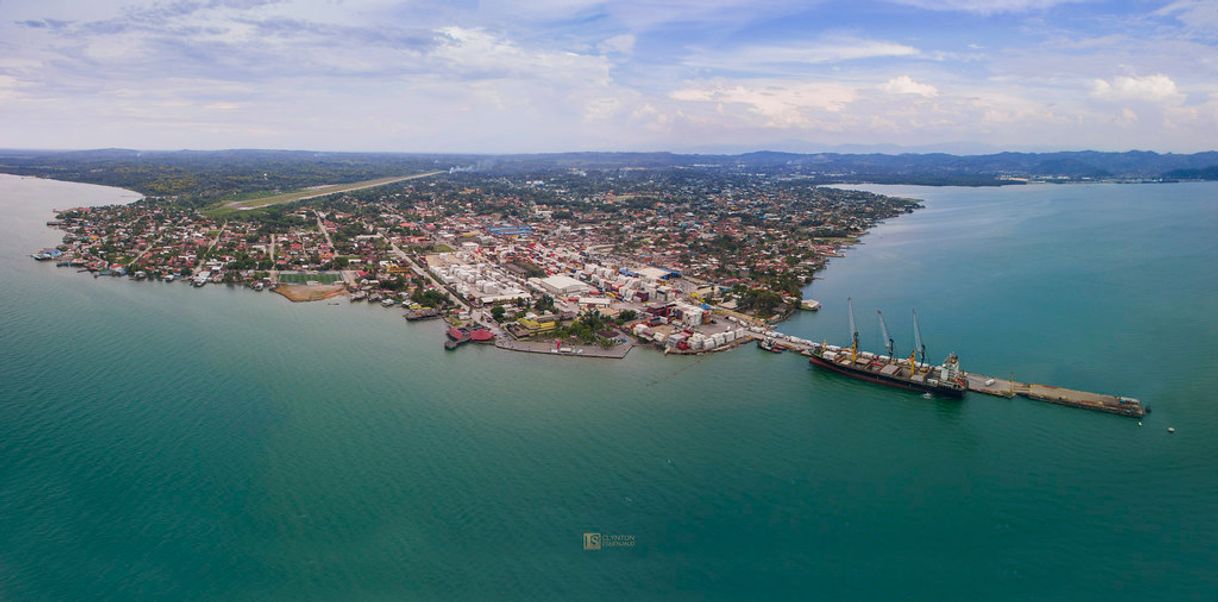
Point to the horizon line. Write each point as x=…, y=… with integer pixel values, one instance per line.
x=759, y=150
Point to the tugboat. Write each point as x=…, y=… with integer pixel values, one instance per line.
x=915, y=374
x=768, y=344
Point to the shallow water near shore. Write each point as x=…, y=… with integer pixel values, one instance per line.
x=161, y=441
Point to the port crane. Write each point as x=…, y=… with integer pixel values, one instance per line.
x=919, y=348
x=854, y=332
x=888, y=342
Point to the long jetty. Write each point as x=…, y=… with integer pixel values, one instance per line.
x=1113, y=404
x=1001, y=387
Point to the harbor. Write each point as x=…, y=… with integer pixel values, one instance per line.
x=363, y=400
x=947, y=380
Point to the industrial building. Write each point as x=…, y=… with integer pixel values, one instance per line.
x=561, y=286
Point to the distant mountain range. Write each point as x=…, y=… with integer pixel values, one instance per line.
x=211, y=174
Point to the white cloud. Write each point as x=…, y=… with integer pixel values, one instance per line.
x=780, y=104
x=764, y=57
x=499, y=75
x=1198, y=14
x=621, y=44
x=985, y=7
x=477, y=53
x=906, y=85
x=1151, y=88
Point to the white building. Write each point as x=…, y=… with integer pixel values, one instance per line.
x=560, y=285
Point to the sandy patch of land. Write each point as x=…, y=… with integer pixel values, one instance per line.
x=297, y=293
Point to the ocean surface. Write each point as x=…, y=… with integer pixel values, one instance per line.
x=163, y=442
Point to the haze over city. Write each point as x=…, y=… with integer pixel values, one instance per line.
x=700, y=76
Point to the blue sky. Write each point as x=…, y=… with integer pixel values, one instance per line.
x=557, y=75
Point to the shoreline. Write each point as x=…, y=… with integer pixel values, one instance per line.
x=315, y=292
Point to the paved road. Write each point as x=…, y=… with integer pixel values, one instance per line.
x=214, y=242
x=404, y=256
x=324, y=232
x=150, y=247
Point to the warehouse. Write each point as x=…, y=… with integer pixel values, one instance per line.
x=654, y=274
x=562, y=286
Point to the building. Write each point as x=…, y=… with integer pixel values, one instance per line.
x=654, y=274
x=563, y=286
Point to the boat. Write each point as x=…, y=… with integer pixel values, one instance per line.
x=422, y=314
x=946, y=380
x=768, y=344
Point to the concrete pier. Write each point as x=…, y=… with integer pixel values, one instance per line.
x=1001, y=387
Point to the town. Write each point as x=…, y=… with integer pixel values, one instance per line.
x=572, y=261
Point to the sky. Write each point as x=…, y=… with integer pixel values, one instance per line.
x=576, y=75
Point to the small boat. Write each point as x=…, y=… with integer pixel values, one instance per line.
x=768, y=344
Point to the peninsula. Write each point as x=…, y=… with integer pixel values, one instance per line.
x=555, y=259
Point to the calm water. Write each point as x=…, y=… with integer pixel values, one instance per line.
x=158, y=441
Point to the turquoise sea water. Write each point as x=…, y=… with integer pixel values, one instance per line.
x=160, y=441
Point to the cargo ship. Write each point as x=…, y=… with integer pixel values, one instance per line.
x=911, y=373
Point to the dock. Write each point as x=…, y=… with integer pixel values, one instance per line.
x=1113, y=404
x=991, y=385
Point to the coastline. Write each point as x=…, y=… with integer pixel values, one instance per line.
x=315, y=292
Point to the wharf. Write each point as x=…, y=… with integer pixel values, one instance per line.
x=616, y=352
x=1125, y=406
x=1002, y=387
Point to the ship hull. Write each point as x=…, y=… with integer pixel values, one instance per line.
x=885, y=380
